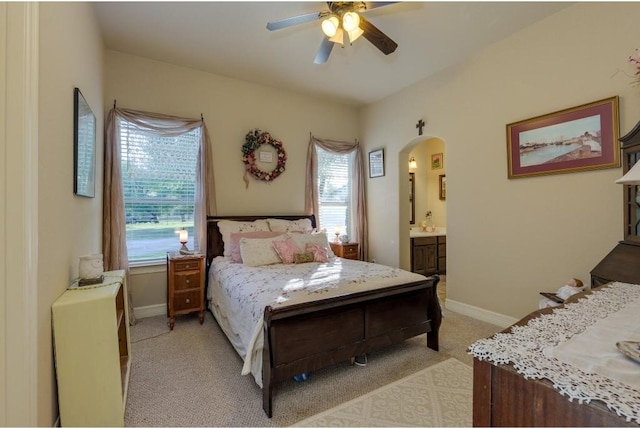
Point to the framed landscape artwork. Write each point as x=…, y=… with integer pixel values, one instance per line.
x=580, y=138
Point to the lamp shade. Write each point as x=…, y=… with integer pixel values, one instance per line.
x=412, y=163
x=338, y=37
x=184, y=236
x=350, y=21
x=355, y=34
x=330, y=26
x=632, y=176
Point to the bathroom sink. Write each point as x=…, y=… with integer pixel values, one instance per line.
x=416, y=232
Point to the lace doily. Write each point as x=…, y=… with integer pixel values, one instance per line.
x=524, y=346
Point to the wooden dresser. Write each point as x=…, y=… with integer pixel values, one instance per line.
x=346, y=251
x=185, y=285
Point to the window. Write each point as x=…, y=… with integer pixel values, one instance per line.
x=334, y=190
x=159, y=179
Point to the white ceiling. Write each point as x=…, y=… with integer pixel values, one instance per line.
x=231, y=39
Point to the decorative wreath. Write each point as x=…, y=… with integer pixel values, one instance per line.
x=254, y=139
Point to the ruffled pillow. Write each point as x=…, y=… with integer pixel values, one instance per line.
x=227, y=227
x=286, y=250
x=319, y=253
x=320, y=239
x=236, y=257
x=259, y=252
x=302, y=225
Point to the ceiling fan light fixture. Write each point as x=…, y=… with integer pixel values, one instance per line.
x=338, y=37
x=330, y=26
x=350, y=21
x=355, y=34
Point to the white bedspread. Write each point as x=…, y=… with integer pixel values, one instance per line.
x=238, y=295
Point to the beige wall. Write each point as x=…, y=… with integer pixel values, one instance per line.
x=509, y=239
x=231, y=108
x=71, y=55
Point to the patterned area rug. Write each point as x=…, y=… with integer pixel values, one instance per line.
x=440, y=395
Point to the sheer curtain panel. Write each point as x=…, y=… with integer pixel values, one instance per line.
x=359, y=218
x=114, y=245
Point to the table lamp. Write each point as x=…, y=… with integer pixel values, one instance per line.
x=184, y=238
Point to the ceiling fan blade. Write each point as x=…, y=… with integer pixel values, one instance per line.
x=377, y=37
x=374, y=4
x=294, y=20
x=325, y=50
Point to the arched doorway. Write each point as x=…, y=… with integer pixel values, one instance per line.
x=427, y=189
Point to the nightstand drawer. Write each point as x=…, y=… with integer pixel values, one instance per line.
x=350, y=250
x=184, y=281
x=182, y=265
x=186, y=300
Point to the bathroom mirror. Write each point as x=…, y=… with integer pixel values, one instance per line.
x=412, y=201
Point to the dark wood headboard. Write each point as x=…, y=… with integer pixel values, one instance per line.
x=215, y=245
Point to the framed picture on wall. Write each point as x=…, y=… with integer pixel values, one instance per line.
x=442, y=181
x=84, y=147
x=580, y=138
x=376, y=163
x=437, y=161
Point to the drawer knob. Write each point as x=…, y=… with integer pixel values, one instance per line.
x=188, y=266
x=188, y=301
x=187, y=281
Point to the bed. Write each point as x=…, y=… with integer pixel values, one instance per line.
x=560, y=366
x=299, y=332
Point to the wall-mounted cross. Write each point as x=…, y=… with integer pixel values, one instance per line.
x=420, y=125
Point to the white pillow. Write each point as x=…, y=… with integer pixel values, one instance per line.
x=320, y=239
x=279, y=225
x=260, y=252
x=227, y=227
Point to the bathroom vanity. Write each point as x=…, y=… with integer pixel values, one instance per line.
x=428, y=251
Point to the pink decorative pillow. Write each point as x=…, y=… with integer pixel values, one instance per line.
x=319, y=253
x=235, y=241
x=286, y=250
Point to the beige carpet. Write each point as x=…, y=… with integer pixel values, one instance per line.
x=191, y=376
x=439, y=395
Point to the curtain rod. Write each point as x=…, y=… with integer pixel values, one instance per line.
x=114, y=103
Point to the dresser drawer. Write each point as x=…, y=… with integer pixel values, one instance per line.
x=186, y=280
x=186, y=300
x=183, y=265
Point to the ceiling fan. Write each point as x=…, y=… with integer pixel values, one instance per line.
x=343, y=21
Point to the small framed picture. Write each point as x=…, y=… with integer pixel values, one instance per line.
x=376, y=163
x=437, y=161
x=443, y=187
x=266, y=157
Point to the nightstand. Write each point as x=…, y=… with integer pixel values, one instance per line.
x=185, y=285
x=346, y=251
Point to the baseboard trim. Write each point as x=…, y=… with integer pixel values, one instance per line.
x=480, y=314
x=150, y=311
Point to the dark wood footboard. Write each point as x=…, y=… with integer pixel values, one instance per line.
x=310, y=336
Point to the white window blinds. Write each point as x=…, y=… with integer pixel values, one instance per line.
x=334, y=190
x=159, y=178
